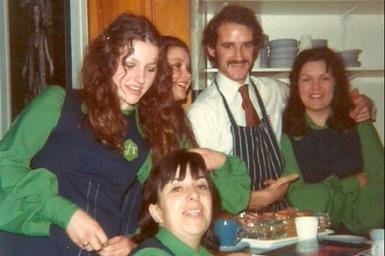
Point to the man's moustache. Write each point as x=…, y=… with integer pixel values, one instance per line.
x=235, y=62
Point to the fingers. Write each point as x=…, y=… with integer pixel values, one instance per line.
x=84, y=231
x=363, y=108
x=117, y=246
x=95, y=243
x=287, y=179
x=354, y=93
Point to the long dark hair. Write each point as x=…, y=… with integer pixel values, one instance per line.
x=232, y=14
x=168, y=128
x=294, y=115
x=162, y=174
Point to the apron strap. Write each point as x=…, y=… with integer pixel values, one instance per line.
x=232, y=120
x=264, y=114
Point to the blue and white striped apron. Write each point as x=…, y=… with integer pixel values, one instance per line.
x=258, y=147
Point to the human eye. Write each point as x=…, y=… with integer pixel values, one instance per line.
x=227, y=45
x=176, y=188
x=176, y=66
x=152, y=69
x=326, y=78
x=202, y=185
x=129, y=64
x=249, y=45
x=304, y=79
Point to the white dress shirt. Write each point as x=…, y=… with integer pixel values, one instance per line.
x=210, y=122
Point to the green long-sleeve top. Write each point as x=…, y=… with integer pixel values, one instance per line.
x=358, y=209
x=29, y=199
x=176, y=246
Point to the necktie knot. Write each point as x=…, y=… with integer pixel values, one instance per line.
x=251, y=115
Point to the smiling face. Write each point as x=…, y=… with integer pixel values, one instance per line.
x=179, y=60
x=316, y=89
x=136, y=73
x=184, y=207
x=234, y=51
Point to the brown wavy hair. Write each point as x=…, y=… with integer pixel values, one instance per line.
x=168, y=128
x=294, y=123
x=162, y=174
x=160, y=119
x=232, y=14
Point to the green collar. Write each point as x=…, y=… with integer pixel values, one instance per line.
x=177, y=246
x=313, y=125
x=124, y=112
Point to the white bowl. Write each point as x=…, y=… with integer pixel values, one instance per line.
x=284, y=42
x=350, y=55
x=284, y=51
x=318, y=43
x=281, y=63
x=283, y=56
x=352, y=63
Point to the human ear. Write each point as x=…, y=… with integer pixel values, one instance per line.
x=211, y=52
x=156, y=213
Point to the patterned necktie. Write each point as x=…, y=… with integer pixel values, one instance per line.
x=252, y=118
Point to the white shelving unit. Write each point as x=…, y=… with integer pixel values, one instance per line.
x=346, y=24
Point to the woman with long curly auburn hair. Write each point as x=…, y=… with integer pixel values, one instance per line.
x=72, y=164
x=340, y=162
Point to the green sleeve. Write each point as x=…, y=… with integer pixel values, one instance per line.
x=29, y=200
x=327, y=196
x=151, y=252
x=233, y=183
x=365, y=210
x=372, y=152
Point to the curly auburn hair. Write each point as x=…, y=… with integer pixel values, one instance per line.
x=294, y=123
x=232, y=14
x=162, y=121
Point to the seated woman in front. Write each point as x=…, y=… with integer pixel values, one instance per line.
x=340, y=162
x=178, y=203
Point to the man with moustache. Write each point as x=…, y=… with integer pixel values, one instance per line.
x=221, y=117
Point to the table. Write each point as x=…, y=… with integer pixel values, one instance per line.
x=310, y=248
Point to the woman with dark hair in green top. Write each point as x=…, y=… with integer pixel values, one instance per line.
x=340, y=162
x=179, y=202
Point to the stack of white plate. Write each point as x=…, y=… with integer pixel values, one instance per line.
x=283, y=53
x=350, y=57
x=318, y=43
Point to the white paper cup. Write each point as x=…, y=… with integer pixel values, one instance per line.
x=307, y=227
x=377, y=236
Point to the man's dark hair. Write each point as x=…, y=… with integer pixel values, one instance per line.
x=232, y=14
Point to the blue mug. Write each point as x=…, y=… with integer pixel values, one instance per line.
x=229, y=232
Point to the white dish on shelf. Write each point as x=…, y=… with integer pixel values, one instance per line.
x=272, y=244
x=283, y=42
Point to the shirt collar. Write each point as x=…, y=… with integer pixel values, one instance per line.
x=177, y=246
x=229, y=87
x=313, y=125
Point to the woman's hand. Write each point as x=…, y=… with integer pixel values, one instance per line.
x=213, y=159
x=117, y=246
x=84, y=231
